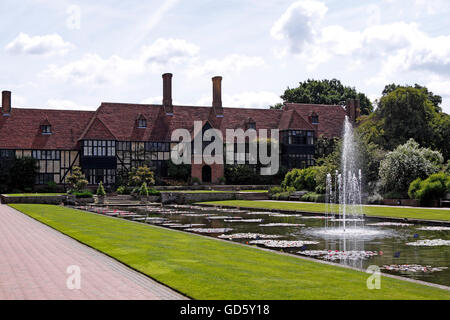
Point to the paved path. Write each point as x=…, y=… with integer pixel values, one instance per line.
x=34, y=259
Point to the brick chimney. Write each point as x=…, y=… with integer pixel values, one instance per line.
x=353, y=109
x=167, y=93
x=6, y=103
x=217, y=96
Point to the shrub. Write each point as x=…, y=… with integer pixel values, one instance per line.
x=407, y=163
x=376, y=198
x=432, y=188
x=143, y=191
x=179, y=172
x=414, y=187
x=76, y=180
x=275, y=190
x=222, y=180
x=279, y=193
x=138, y=176
x=100, y=190
x=313, y=197
x=153, y=192
x=51, y=187
x=301, y=179
x=83, y=194
x=123, y=190
x=196, y=180
x=22, y=173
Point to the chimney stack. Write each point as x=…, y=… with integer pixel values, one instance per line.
x=167, y=93
x=353, y=109
x=6, y=103
x=217, y=96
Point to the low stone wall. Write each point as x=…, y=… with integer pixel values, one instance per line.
x=401, y=202
x=34, y=199
x=220, y=187
x=186, y=198
x=252, y=196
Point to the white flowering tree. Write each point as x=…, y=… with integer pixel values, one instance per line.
x=407, y=163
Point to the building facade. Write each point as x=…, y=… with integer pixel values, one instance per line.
x=119, y=136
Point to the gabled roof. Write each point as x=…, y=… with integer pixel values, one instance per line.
x=292, y=120
x=97, y=130
x=331, y=117
x=22, y=129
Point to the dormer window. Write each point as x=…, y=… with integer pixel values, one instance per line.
x=251, y=124
x=315, y=119
x=46, y=129
x=142, y=123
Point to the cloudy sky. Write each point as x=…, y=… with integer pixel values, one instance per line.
x=76, y=54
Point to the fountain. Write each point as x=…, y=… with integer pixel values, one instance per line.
x=344, y=200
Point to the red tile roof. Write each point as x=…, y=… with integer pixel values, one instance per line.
x=118, y=121
x=22, y=129
x=331, y=117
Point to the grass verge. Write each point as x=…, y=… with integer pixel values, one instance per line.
x=204, y=268
x=410, y=213
x=34, y=194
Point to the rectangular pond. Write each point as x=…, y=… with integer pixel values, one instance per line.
x=415, y=251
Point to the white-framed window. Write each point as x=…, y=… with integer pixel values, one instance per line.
x=142, y=123
x=46, y=129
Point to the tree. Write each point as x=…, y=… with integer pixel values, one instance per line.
x=22, y=173
x=407, y=163
x=434, y=99
x=325, y=92
x=140, y=175
x=406, y=113
x=76, y=180
x=441, y=134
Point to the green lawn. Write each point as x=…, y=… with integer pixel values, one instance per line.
x=34, y=194
x=411, y=213
x=213, y=191
x=205, y=268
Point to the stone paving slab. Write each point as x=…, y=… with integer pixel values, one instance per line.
x=34, y=259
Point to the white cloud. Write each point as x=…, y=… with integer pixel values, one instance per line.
x=47, y=45
x=432, y=7
x=93, y=69
x=233, y=63
x=249, y=99
x=397, y=47
x=168, y=51
x=299, y=24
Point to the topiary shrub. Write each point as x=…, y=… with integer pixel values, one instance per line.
x=101, y=190
x=143, y=191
